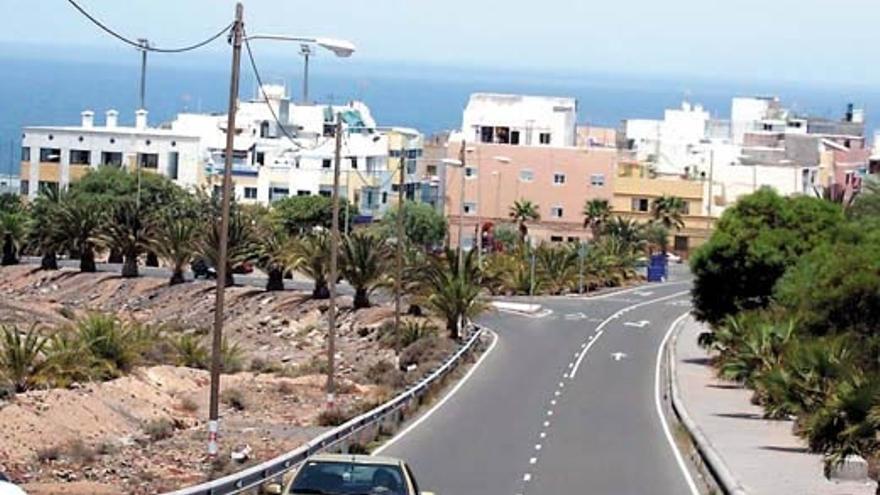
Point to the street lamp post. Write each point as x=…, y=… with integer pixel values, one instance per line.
x=306, y=51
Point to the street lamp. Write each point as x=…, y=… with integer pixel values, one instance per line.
x=340, y=48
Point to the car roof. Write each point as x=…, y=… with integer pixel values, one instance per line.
x=355, y=459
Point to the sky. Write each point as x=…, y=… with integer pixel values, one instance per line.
x=815, y=41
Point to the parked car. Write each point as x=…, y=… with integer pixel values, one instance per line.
x=673, y=258
x=342, y=474
x=201, y=269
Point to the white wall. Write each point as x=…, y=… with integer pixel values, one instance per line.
x=531, y=115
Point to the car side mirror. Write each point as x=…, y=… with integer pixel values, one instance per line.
x=273, y=489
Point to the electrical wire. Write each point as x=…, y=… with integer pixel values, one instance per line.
x=141, y=46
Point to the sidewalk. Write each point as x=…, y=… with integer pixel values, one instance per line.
x=764, y=456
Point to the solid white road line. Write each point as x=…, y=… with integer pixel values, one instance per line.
x=600, y=328
x=657, y=394
x=442, y=401
x=627, y=291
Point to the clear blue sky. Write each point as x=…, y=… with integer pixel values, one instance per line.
x=808, y=40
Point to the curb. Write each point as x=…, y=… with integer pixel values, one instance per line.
x=718, y=468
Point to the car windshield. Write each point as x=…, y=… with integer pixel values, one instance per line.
x=346, y=478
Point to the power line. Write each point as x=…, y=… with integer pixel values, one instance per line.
x=141, y=46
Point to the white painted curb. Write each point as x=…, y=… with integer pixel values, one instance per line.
x=528, y=309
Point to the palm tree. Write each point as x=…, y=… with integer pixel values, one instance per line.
x=174, y=238
x=273, y=256
x=455, y=294
x=596, y=214
x=668, y=211
x=364, y=262
x=311, y=256
x=12, y=230
x=522, y=212
x=76, y=230
x=239, y=248
x=44, y=218
x=657, y=237
x=125, y=232
x=557, y=266
x=22, y=358
x=626, y=231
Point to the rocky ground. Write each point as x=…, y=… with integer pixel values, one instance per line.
x=146, y=431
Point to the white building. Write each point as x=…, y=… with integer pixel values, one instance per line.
x=520, y=120
x=270, y=161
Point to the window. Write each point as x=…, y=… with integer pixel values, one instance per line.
x=470, y=172
x=556, y=238
x=278, y=193
x=260, y=158
x=384, y=197
x=354, y=162
x=264, y=129
x=327, y=163
x=681, y=243
x=544, y=138
x=369, y=201
x=556, y=212
x=25, y=187
x=526, y=175
x=50, y=155
x=250, y=193
x=470, y=208
x=487, y=134
x=574, y=239
x=640, y=204
x=111, y=158
x=502, y=135
x=45, y=186
x=80, y=157
x=303, y=193
x=411, y=166
x=326, y=194
x=597, y=180
x=173, y=161
x=25, y=154
x=514, y=137
x=148, y=160
x=431, y=170
x=558, y=179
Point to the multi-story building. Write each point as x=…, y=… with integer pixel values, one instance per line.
x=763, y=144
x=281, y=149
x=523, y=148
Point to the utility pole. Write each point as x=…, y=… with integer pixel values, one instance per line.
x=334, y=262
x=462, y=157
x=581, y=249
x=142, y=89
x=401, y=183
x=217, y=342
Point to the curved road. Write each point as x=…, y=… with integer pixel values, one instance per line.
x=564, y=404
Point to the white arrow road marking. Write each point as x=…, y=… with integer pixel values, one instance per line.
x=679, y=304
x=644, y=293
x=638, y=324
x=618, y=355
x=575, y=316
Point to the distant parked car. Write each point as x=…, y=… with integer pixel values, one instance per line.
x=340, y=474
x=673, y=258
x=201, y=269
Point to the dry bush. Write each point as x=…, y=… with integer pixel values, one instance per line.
x=80, y=453
x=48, y=454
x=188, y=404
x=234, y=398
x=159, y=429
x=384, y=373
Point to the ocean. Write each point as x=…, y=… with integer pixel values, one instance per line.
x=53, y=91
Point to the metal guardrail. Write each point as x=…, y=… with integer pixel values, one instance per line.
x=274, y=468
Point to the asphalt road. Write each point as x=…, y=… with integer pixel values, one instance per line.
x=557, y=408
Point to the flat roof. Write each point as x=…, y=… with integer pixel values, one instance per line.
x=125, y=131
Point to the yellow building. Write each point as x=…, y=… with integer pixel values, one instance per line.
x=635, y=191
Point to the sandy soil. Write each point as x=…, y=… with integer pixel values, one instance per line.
x=94, y=436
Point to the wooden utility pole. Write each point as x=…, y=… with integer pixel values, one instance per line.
x=334, y=262
x=217, y=342
x=398, y=280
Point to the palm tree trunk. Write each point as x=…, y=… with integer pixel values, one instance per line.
x=130, y=266
x=276, y=280
x=152, y=259
x=321, y=291
x=49, y=261
x=176, y=276
x=115, y=256
x=361, y=299
x=452, y=326
x=9, y=254
x=87, y=260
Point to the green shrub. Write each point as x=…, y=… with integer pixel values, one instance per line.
x=192, y=352
x=22, y=358
x=107, y=339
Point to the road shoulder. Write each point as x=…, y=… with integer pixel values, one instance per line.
x=764, y=457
